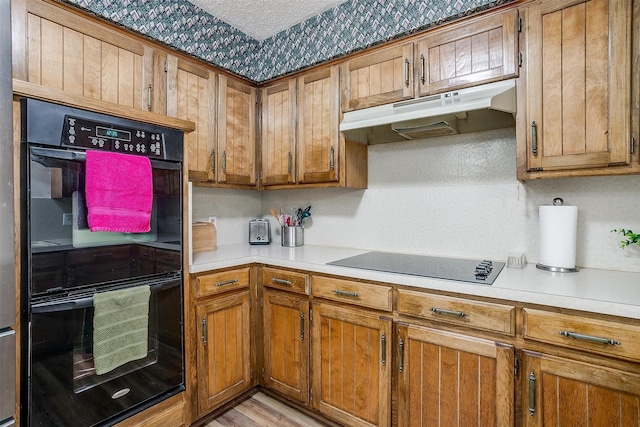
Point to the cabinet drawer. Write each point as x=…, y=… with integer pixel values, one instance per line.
x=285, y=280
x=581, y=332
x=215, y=283
x=363, y=294
x=474, y=314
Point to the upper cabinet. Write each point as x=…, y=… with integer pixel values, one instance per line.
x=235, y=160
x=191, y=95
x=469, y=53
x=463, y=54
x=378, y=78
x=278, y=133
x=60, y=50
x=301, y=141
x=578, y=90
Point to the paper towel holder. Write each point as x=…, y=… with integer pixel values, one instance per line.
x=557, y=202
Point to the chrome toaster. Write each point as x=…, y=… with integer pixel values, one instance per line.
x=259, y=232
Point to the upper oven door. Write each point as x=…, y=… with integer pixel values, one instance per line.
x=64, y=253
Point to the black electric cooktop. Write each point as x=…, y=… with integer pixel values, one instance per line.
x=465, y=270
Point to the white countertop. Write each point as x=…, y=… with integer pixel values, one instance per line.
x=599, y=291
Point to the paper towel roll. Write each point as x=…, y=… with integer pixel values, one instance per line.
x=558, y=230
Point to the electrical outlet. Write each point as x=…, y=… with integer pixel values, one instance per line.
x=67, y=218
x=212, y=219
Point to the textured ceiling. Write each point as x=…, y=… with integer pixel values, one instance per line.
x=262, y=19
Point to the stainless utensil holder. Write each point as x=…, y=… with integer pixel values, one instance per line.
x=292, y=236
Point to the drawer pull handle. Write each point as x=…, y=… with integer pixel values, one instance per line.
x=227, y=282
x=204, y=331
x=532, y=393
x=422, y=69
x=449, y=312
x=346, y=293
x=407, y=65
x=400, y=355
x=301, y=325
x=589, y=338
x=383, y=344
x=534, y=138
x=281, y=281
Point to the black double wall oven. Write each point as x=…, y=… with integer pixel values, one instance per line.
x=65, y=265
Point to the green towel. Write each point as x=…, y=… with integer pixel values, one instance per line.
x=120, y=327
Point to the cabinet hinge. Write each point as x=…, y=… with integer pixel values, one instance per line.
x=250, y=302
x=516, y=365
x=520, y=60
x=166, y=67
x=633, y=145
x=519, y=25
x=263, y=373
x=310, y=315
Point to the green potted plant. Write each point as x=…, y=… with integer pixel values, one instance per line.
x=631, y=238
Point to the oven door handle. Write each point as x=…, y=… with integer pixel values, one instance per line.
x=86, y=302
x=80, y=156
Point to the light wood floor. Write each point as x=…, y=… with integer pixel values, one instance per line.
x=262, y=410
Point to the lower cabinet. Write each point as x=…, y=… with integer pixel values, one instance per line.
x=223, y=352
x=449, y=379
x=351, y=365
x=286, y=344
x=563, y=392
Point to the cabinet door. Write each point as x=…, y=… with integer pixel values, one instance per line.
x=278, y=133
x=470, y=53
x=448, y=379
x=351, y=365
x=578, y=84
x=286, y=344
x=563, y=392
x=236, y=132
x=378, y=78
x=223, y=355
x=191, y=96
x=81, y=57
x=319, y=141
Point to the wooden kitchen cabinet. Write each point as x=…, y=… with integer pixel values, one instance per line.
x=64, y=51
x=191, y=95
x=378, y=78
x=351, y=364
x=223, y=350
x=560, y=391
x=286, y=344
x=278, y=133
x=472, y=52
x=578, y=89
x=448, y=379
x=235, y=159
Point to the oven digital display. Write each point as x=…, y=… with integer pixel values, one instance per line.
x=111, y=133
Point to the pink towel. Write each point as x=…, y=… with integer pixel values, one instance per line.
x=119, y=192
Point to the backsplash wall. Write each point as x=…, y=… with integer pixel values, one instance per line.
x=450, y=196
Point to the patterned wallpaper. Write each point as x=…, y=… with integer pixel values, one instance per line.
x=344, y=29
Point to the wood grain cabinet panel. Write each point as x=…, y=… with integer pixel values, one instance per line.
x=72, y=54
x=219, y=282
x=470, y=53
x=559, y=392
x=286, y=344
x=378, y=78
x=447, y=379
x=351, y=292
x=474, y=314
x=351, y=365
x=191, y=95
x=578, y=86
x=235, y=163
x=285, y=280
x=608, y=338
x=223, y=351
x=278, y=133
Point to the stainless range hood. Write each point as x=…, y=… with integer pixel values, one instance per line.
x=489, y=106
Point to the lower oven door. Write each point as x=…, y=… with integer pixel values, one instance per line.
x=63, y=385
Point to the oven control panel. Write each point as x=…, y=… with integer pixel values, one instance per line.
x=82, y=133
